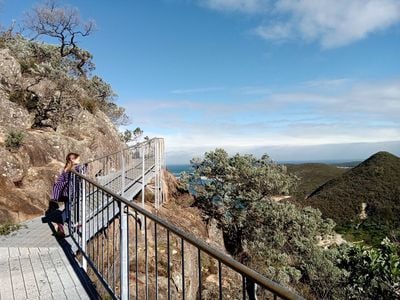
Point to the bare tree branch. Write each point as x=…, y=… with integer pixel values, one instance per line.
x=63, y=24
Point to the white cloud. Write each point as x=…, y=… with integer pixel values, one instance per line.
x=328, y=83
x=246, y=6
x=340, y=22
x=276, y=32
x=332, y=23
x=338, y=111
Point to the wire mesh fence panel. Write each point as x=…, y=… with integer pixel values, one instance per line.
x=130, y=252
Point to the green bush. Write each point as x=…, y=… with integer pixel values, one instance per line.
x=7, y=228
x=14, y=140
x=372, y=273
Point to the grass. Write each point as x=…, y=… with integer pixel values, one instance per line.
x=7, y=228
x=14, y=140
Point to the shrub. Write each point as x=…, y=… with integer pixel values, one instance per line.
x=373, y=273
x=27, y=65
x=14, y=140
x=89, y=104
x=27, y=99
x=7, y=228
x=18, y=96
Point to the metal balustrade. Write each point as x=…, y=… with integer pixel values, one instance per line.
x=134, y=254
x=127, y=171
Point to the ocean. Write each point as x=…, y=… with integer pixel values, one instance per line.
x=177, y=170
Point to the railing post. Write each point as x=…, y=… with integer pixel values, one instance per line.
x=143, y=162
x=143, y=184
x=157, y=177
x=124, y=295
x=83, y=222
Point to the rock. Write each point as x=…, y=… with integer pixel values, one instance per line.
x=50, y=131
x=10, y=69
x=12, y=117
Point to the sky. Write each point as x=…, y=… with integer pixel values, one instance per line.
x=249, y=74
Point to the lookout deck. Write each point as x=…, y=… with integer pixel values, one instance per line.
x=34, y=264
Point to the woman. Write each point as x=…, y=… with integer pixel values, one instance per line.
x=61, y=188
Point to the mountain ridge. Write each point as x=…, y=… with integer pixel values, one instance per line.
x=373, y=184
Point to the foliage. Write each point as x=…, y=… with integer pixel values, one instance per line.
x=25, y=98
x=312, y=176
x=368, y=232
x=372, y=273
x=14, y=140
x=63, y=24
x=277, y=239
x=375, y=182
x=89, y=104
x=41, y=61
x=234, y=183
x=6, y=229
x=282, y=241
x=131, y=135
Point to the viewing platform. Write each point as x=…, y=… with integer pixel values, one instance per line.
x=34, y=264
x=121, y=250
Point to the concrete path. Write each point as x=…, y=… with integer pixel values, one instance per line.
x=35, y=265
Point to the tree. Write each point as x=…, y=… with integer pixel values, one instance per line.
x=104, y=97
x=282, y=242
x=373, y=273
x=277, y=239
x=63, y=24
x=233, y=186
x=137, y=133
x=131, y=135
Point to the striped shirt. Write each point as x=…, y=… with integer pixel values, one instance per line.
x=62, y=185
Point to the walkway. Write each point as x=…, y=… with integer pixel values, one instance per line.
x=35, y=265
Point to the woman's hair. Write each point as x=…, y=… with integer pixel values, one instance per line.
x=68, y=161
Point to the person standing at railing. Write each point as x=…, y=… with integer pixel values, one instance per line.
x=62, y=186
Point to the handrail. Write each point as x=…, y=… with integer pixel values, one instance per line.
x=137, y=145
x=246, y=272
x=115, y=170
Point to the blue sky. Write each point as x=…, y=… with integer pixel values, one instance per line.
x=236, y=73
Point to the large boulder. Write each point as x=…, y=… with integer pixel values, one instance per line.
x=50, y=131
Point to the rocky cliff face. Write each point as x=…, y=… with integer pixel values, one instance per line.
x=53, y=124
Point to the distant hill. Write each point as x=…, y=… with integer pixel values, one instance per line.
x=376, y=183
x=349, y=164
x=312, y=176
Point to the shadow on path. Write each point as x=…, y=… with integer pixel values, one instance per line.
x=54, y=214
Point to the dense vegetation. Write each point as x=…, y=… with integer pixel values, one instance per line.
x=375, y=182
x=281, y=240
x=312, y=176
x=56, y=78
x=371, y=273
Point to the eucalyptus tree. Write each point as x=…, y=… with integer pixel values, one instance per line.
x=227, y=188
x=277, y=239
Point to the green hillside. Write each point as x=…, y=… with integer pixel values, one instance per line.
x=312, y=176
x=375, y=182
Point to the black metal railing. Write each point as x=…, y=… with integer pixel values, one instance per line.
x=158, y=260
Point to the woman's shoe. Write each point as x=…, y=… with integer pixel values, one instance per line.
x=60, y=233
